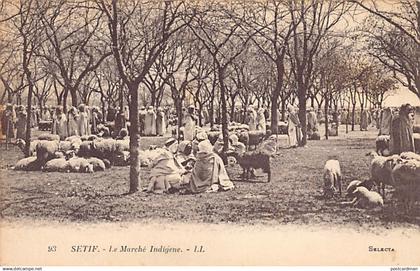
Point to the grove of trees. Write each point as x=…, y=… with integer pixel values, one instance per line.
x=218, y=55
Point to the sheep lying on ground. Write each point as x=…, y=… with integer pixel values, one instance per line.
x=409, y=156
x=57, y=165
x=29, y=164
x=103, y=148
x=332, y=178
x=32, y=149
x=366, y=199
x=252, y=160
x=381, y=169
x=85, y=149
x=368, y=184
x=382, y=145
x=49, y=137
x=45, y=150
x=98, y=164
x=406, y=180
x=78, y=164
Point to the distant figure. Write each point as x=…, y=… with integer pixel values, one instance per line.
x=94, y=121
x=160, y=122
x=401, y=139
x=8, y=122
x=142, y=119
x=293, y=127
x=72, y=129
x=110, y=116
x=150, y=122
x=189, y=124
x=46, y=115
x=385, y=121
x=312, y=122
x=261, y=123
x=82, y=121
x=251, y=119
x=59, y=126
x=364, y=120
x=21, y=124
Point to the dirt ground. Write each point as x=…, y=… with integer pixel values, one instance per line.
x=292, y=197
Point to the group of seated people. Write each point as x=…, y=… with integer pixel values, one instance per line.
x=191, y=167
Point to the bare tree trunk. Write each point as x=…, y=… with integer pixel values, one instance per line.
x=326, y=105
x=353, y=116
x=28, y=111
x=134, y=139
x=225, y=131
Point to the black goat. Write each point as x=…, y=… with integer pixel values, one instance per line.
x=252, y=159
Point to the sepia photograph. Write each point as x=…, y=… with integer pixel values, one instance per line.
x=210, y=133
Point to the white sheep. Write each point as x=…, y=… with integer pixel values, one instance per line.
x=45, y=150
x=122, y=145
x=49, y=137
x=29, y=164
x=78, y=164
x=410, y=155
x=406, y=179
x=382, y=145
x=381, y=169
x=332, y=177
x=57, y=165
x=98, y=164
x=366, y=199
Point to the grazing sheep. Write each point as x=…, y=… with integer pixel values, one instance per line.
x=251, y=138
x=32, y=149
x=78, y=164
x=98, y=164
x=406, y=179
x=252, y=160
x=45, y=150
x=367, y=199
x=382, y=145
x=381, y=169
x=49, y=137
x=332, y=178
x=29, y=164
x=57, y=165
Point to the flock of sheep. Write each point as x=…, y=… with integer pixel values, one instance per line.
x=400, y=171
x=86, y=154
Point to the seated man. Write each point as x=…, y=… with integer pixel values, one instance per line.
x=209, y=173
x=166, y=172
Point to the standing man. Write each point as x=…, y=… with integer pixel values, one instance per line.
x=401, y=139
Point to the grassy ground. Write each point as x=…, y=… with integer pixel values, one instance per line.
x=292, y=197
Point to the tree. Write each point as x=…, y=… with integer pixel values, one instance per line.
x=393, y=37
x=138, y=33
x=316, y=20
x=218, y=26
x=74, y=44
